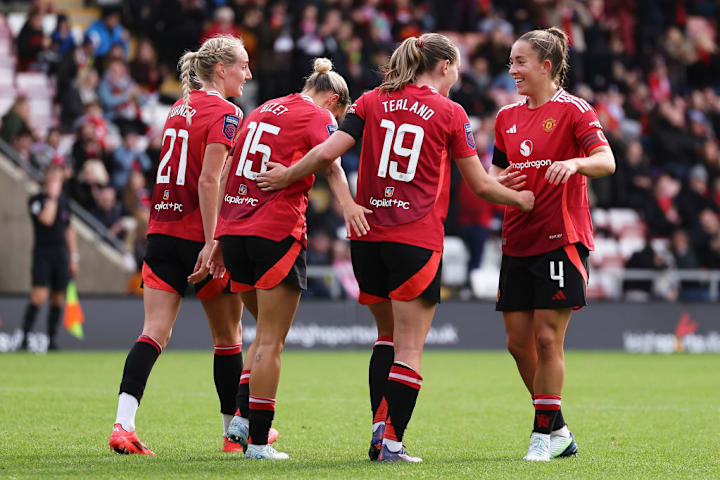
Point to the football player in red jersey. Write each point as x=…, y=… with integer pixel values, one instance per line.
x=263, y=235
x=409, y=130
x=550, y=142
x=198, y=133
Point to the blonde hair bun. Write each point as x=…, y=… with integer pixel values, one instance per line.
x=322, y=65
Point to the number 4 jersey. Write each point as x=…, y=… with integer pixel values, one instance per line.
x=282, y=130
x=175, y=207
x=408, y=138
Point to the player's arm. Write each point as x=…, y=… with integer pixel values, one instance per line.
x=490, y=189
x=49, y=212
x=319, y=158
x=354, y=214
x=208, y=186
x=223, y=183
x=500, y=171
x=71, y=240
x=599, y=163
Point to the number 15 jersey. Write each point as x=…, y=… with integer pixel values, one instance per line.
x=175, y=209
x=408, y=138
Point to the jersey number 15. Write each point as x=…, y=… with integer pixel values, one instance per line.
x=252, y=145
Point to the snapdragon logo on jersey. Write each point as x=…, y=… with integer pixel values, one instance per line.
x=685, y=339
x=526, y=148
x=388, y=201
x=165, y=205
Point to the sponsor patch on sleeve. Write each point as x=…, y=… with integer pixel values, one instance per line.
x=469, y=137
x=230, y=126
x=331, y=129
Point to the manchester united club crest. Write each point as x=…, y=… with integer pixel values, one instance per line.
x=243, y=189
x=166, y=195
x=549, y=123
x=389, y=191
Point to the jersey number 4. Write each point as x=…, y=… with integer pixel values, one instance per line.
x=252, y=145
x=182, y=164
x=395, y=140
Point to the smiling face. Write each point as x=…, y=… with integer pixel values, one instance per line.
x=236, y=74
x=530, y=74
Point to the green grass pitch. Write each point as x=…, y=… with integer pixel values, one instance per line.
x=634, y=416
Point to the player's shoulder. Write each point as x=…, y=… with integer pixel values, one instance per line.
x=365, y=98
x=565, y=100
x=505, y=109
x=216, y=101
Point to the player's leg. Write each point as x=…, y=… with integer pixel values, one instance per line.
x=38, y=296
x=549, y=327
x=412, y=321
x=57, y=299
x=381, y=361
x=224, y=313
x=161, y=309
x=276, y=310
x=521, y=344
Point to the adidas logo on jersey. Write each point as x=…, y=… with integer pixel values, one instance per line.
x=512, y=129
x=559, y=296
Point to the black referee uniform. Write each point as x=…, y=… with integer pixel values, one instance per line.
x=50, y=262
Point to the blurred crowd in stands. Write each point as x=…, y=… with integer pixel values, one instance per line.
x=649, y=67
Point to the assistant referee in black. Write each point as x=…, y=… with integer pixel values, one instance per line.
x=55, y=255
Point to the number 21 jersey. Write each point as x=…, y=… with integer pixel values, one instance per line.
x=175, y=209
x=408, y=138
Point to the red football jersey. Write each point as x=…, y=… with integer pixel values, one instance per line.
x=175, y=207
x=282, y=130
x=532, y=138
x=404, y=175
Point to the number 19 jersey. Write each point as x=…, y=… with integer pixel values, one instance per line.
x=175, y=209
x=408, y=138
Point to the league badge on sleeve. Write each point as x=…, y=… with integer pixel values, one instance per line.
x=331, y=129
x=469, y=137
x=230, y=126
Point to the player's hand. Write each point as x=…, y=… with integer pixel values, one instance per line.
x=514, y=180
x=74, y=267
x=526, y=200
x=275, y=178
x=201, y=266
x=559, y=172
x=216, y=265
x=355, y=217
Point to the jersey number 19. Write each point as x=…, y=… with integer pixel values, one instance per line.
x=397, y=146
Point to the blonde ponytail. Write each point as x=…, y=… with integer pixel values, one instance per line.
x=325, y=80
x=188, y=80
x=415, y=56
x=198, y=67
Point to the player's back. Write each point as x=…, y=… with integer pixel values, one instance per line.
x=175, y=207
x=281, y=130
x=409, y=136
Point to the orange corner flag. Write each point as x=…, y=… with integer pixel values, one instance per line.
x=74, y=317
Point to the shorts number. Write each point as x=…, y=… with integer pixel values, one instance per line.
x=182, y=165
x=560, y=275
x=413, y=152
x=252, y=145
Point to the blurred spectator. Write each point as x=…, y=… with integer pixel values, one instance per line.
x=107, y=210
x=22, y=144
x=706, y=239
x=223, y=24
x=128, y=157
x=684, y=258
x=275, y=47
x=144, y=67
x=644, y=259
x=86, y=146
x=32, y=44
x=695, y=197
x=16, y=119
x=46, y=152
x=62, y=38
x=121, y=98
x=661, y=215
x=106, y=32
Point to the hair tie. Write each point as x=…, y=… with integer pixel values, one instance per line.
x=419, y=43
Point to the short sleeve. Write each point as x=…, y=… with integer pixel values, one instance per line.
x=359, y=108
x=499, y=141
x=321, y=127
x=462, y=140
x=225, y=128
x=587, y=128
x=35, y=205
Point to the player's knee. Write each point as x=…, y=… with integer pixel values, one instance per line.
x=546, y=345
x=517, y=349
